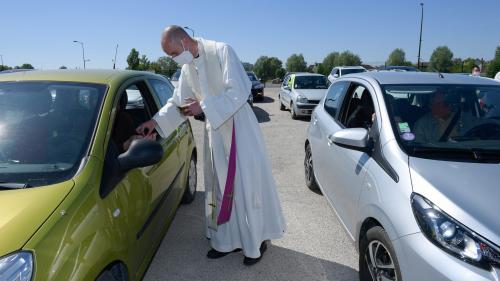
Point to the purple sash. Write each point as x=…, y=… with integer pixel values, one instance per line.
x=227, y=199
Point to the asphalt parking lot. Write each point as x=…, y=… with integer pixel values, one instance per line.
x=315, y=246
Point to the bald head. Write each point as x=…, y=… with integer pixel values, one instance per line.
x=173, y=39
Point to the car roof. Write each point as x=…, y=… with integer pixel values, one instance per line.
x=307, y=74
x=397, y=67
x=66, y=75
x=395, y=78
x=352, y=66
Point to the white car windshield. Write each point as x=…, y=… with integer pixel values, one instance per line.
x=310, y=82
x=446, y=120
x=346, y=71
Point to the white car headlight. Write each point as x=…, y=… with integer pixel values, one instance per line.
x=302, y=99
x=16, y=267
x=453, y=237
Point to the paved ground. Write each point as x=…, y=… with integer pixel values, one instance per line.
x=315, y=246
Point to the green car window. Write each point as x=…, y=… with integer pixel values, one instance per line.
x=162, y=89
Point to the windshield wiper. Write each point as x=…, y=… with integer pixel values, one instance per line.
x=478, y=154
x=13, y=185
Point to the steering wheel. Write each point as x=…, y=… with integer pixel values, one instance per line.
x=487, y=131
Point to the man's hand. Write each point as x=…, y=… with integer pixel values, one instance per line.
x=146, y=128
x=127, y=143
x=191, y=108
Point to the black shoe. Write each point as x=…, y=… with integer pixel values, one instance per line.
x=251, y=261
x=214, y=254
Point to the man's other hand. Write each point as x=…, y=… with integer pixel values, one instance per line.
x=191, y=108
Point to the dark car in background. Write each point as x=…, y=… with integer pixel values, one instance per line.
x=257, y=86
x=175, y=77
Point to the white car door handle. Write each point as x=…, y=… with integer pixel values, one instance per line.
x=330, y=140
x=315, y=120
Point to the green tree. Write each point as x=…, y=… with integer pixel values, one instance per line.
x=469, y=64
x=25, y=66
x=397, y=57
x=320, y=68
x=494, y=66
x=144, y=63
x=165, y=66
x=133, y=60
x=296, y=63
x=348, y=58
x=441, y=59
x=329, y=62
x=465, y=65
x=265, y=67
x=456, y=65
x=280, y=73
x=247, y=66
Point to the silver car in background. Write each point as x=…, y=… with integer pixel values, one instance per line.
x=301, y=93
x=340, y=71
x=410, y=164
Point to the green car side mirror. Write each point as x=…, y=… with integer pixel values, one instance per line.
x=141, y=153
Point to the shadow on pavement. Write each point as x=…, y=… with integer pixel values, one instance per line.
x=261, y=114
x=182, y=257
x=265, y=99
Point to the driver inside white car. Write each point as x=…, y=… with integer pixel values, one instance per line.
x=442, y=121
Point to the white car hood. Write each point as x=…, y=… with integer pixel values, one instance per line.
x=311, y=94
x=469, y=192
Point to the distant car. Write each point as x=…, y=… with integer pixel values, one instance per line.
x=257, y=86
x=418, y=195
x=340, y=71
x=398, y=68
x=301, y=92
x=75, y=203
x=175, y=78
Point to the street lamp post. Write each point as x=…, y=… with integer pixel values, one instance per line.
x=83, y=52
x=192, y=31
x=420, y=41
x=114, y=61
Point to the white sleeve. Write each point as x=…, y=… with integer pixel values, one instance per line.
x=218, y=109
x=168, y=118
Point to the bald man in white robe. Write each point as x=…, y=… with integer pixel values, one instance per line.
x=242, y=207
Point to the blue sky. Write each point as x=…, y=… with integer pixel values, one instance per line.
x=42, y=32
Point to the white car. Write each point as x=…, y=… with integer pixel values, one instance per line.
x=340, y=71
x=418, y=198
x=301, y=92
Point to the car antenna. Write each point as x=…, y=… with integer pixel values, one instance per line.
x=439, y=73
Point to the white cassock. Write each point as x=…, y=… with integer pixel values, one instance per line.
x=217, y=79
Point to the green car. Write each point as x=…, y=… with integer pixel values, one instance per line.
x=81, y=196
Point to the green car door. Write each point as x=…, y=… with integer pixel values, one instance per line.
x=154, y=191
